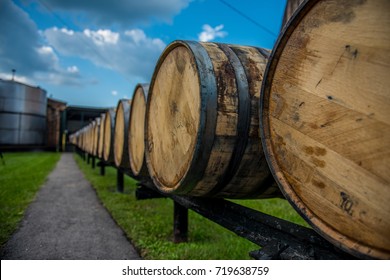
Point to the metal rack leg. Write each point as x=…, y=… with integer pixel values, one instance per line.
x=119, y=181
x=102, y=168
x=180, y=223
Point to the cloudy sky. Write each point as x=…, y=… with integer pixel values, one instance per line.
x=92, y=53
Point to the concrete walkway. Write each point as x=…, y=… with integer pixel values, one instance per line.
x=67, y=221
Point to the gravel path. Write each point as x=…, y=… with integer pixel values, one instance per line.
x=67, y=221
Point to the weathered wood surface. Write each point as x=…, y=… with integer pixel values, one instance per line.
x=202, y=122
x=101, y=137
x=121, y=130
x=109, y=129
x=89, y=137
x=137, y=131
x=169, y=140
x=326, y=121
x=95, y=136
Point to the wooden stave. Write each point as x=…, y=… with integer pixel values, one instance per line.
x=205, y=137
x=260, y=172
x=346, y=243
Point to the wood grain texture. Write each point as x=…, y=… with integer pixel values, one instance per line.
x=101, y=136
x=137, y=130
x=325, y=121
x=121, y=154
x=226, y=122
x=90, y=137
x=182, y=118
x=109, y=127
x=173, y=118
x=96, y=129
x=252, y=178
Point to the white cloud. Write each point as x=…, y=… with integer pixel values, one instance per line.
x=114, y=93
x=46, y=50
x=209, y=33
x=66, y=31
x=136, y=34
x=102, y=36
x=131, y=53
x=47, y=54
x=19, y=78
x=73, y=69
x=139, y=37
x=38, y=54
x=22, y=48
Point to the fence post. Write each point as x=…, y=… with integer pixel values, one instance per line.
x=102, y=168
x=180, y=223
x=93, y=162
x=119, y=180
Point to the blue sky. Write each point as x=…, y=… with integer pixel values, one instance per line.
x=92, y=53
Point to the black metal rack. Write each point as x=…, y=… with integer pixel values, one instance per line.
x=278, y=238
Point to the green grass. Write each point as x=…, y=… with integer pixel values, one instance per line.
x=20, y=179
x=149, y=223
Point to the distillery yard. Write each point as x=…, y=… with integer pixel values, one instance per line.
x=146, y=223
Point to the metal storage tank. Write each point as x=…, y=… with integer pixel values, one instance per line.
x=22, y=114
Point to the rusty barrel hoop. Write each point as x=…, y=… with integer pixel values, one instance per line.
x=198, y=119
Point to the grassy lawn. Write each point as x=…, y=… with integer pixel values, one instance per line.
x=149, y=223
x=20, y=179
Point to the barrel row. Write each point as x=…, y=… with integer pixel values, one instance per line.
x=197, y=133
x=108, y=137
x=308, y=121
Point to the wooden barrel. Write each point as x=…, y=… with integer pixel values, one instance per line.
x=81, y=139
x=83, y=142
x=85, y=136
x=121, y=153
x=202, y=122
x=101, y=137
x=93, y=136
x=96, y=128
x=85, y=139
x=136, y=131
x=325, y=112
x=75, y=138
x=90, y=137
x=108, y=145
